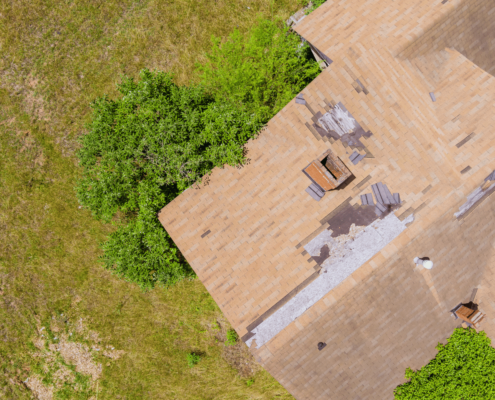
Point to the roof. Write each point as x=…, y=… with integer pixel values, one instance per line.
x=256, y=238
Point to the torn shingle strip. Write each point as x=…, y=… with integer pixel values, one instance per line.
x=465, y=140
x=313, y=194
x=468, y=168
x=362, y=86
x=310, y=109
x=474, y=200
x=406, y=214
x=354, y=155
x=247, y=336
x=363, y=181
x=388, y=195
x=490, y=177
x=313, y=131
x=381, y=207
x=433, y=98
x=358, y=158
x=317, y=189
x=426, y=189
x=206, y=233
x=397, y=198
x=367, y=199
x=376, y=192
x=420, y=207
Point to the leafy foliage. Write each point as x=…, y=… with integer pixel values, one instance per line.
x=232, y=337
x=314, y=5
x=159, y=138
x=263, y=71
x=464, y=368
x=140, y=152
x=193, y=359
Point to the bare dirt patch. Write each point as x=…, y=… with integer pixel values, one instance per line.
x=80, y=356
x=238, y=355
x=41, y=391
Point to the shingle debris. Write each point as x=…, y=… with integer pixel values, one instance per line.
x=384, y=198
x=315, y=191
x=300, y=99
x=355, y=157
x=367, y=199
x=490, y=177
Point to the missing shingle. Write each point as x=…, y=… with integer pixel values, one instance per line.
x=334, y=212
x=433, y=98
x=406, y=214
x=445, y=1
x=473, y=295
x=420, y=207
x=206, y=233
x=321, y=346
x=426, y=189
x=362, y=86
x=465, y=140
x=310, y=109
x=468, y=168
x=313, y=131
x=360, y=184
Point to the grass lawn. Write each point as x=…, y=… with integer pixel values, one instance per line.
x=68, y=328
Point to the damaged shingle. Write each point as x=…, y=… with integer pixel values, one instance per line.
x=367, y=199
x=315, y=191
x=356, y=157
x=300, y=99
x=490, y=177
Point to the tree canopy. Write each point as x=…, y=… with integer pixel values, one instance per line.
x=464, y=368
x=146, y=147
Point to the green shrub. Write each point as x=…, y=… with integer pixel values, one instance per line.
x=232, y=337
x=193, y=359
x=143, y=149
x=314, y=5
x=250, y=382
x=262, y=71
x=140, y=152
x=464, y=368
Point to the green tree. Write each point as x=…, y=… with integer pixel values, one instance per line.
x=464, y=368
x=143, y=149
x=262, y=71
x=140, y=152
